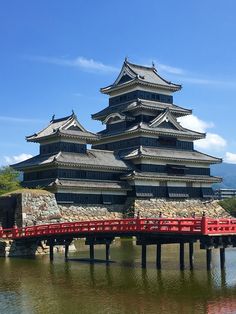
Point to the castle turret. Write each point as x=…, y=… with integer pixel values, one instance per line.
x=68, y=168
x=142, y=127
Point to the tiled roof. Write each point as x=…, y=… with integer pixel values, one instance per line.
x=140, y=74
x=163, y=176
x=142, y=126
x=169, y=154
x=141, y=104
x=89, y=184
x=68, y=126
x=93, y=158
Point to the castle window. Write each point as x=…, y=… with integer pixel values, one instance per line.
x=175, y=170
x=167, y=141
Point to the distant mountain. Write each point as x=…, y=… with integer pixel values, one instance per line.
x=227, y=172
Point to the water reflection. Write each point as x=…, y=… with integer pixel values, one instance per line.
x=38, y=286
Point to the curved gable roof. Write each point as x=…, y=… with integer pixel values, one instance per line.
x=67, y=126
x=131, y=72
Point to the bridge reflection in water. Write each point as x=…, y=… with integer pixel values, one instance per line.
x=38, y=286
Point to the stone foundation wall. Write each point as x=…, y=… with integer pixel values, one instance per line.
x=179, y=208
x=90, y=212
x=9, y=248
x=40, y=207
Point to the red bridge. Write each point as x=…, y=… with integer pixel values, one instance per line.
x=212, y=233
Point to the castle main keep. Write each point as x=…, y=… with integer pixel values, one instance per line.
x=143, y=152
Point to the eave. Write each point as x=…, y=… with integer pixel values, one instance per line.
x=142, y=105
x=163, y=177
x=141, y=155
x=57, y=164
x=91, y=185
x=107, y=138
x=111, y=88
x=60, y=135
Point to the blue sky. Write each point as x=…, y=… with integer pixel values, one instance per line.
x=55, y=56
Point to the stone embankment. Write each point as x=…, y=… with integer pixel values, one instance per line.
x=184, y=208
x=9, y=248
x=40, y=207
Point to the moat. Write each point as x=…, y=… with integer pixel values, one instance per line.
x=38, y=286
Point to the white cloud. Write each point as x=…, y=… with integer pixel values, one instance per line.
x=79, y=62
x=20, y=120
x=189, y=77
x=211, y=142
x=230, y=158
x=18, y=158
x=210, y=82
x=194, y=123
x=169, y=69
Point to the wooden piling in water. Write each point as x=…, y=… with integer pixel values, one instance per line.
x=191, y=256
x=51, y=252
x=158, y=256
x=91, y=251
x=208, y=258
x=222, y=258
x=107, y=252
x=181, y=255
x=144, y=255
x=66, y=251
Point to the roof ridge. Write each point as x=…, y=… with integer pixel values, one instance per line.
x=100, y=150
x=53, y=120
x=153, y=69
x=140, y=66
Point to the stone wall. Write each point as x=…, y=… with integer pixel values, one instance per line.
x=40, y=207
x=90, y=212
x=9, y=248
x=178, y=208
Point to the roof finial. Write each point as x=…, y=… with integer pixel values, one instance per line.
x=153, y=64
x=126, y=59
x=73, y=113
x=53, y=117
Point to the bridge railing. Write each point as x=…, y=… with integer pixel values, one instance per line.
x=216, y=226
x=204, y=226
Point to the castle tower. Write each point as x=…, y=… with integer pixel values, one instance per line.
x=68, y=168
x=142, y=128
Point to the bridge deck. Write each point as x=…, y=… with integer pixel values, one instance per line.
x=179, y=226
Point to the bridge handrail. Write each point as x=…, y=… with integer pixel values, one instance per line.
x=204, y=226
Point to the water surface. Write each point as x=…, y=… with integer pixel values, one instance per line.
x=38, y=286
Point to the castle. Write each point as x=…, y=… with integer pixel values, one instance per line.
x=143, y=152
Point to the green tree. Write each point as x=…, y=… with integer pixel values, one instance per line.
x=9, y=180
x=229, y=204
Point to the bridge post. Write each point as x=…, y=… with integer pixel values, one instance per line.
x=204, y=228
x=107, y=252
x=208, y=258
x=66, y=251
x=158, y=256
x=222, y=258
x=144, y=255
x=191, y=257
x=181, y=255
x=91, y=251
x=51, y=251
